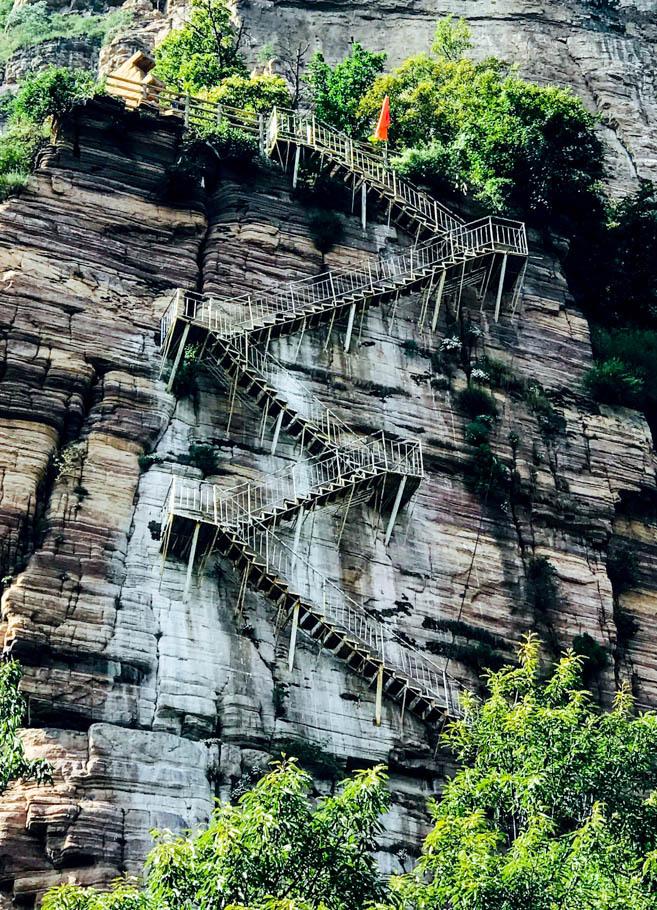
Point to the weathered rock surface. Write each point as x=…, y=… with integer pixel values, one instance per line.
x=609, y=59
x=149, y=706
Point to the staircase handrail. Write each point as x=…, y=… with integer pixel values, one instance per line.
x=486, y=235
x=337, y=607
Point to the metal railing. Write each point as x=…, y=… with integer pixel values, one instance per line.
x=253, y=501
x=304, y=130
x=325, y=599
x=247, y=312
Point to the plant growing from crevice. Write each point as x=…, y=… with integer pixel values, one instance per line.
x=185, y=383
x=478, y=431
x=542, y=586
x=147, y=460
x=279, y=698
x=596, y=656
x=313, y=757
x=202, y=456
x=14, y=764
x=622, y=566
x=476, y=402
x=326, y=229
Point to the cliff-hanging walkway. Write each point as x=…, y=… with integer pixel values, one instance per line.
x=233, y=336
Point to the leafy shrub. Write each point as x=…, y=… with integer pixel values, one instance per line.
x=202, y=456
x=512, y=144
x=542, y=587
x=203, y=52
x=613, y=382
x=596, y=656
x=326, y=229
x=12, y=183
x=477, y=402
x=31, y=24
x=336, y=90
x=550, y=422
x=314, y=757
x=478, y=430
x=258, y=92
x=185, y=384
x=146, y=462
x=626, y=625
x=622, y=566
x=52, y=92
x=489, y=476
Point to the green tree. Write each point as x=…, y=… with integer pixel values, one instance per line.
x=52, y=92
x=259, y=93
x=451, y=39
x=554, y=805
x=13, y=763
x=276, y=848
x=336, y=90
x=203, y=52
x=476, y=127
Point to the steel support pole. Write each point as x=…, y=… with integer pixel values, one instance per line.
x=363, y=206
x=190, y=563
x=179, y=354
x=277, y=430
x=439, y=297
x=350, y=327
x=297, y=161
x=379, y=696
x=293, y=636
x=395, y=509
x=500, y=288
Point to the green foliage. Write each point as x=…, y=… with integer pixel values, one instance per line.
x=476, y=127
x=554, y=804
x=277, y=849
x=622, y=566
x=52, y=92
x=202, y=456
x=312, y=757
x=451, y=39
x=32, y=23
x=478, y=430
x=326, y=229
x=337, y=90
x=13, y=763
x=476, y=402
x=12, y=183
x=185, y=384
x=542, y=587
x=259, y=92
x=146, y=462
x=594, y=654
x=550, y=422
x=203, y=52
x=489, y=476
x=611, y=381
x=228, y=143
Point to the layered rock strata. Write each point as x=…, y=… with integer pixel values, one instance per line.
x=149, y=706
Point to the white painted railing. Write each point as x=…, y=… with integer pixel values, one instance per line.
x=250, y=501
x=247, y=312
x=326, y=600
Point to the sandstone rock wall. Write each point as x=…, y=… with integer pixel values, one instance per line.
x=149, y=706
x=609, y=60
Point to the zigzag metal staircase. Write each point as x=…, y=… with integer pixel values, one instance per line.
x=234, y=335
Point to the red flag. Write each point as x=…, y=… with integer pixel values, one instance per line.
x=381, y=132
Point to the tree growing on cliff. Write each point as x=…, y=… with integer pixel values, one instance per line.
x=555, y=804
x=336, y=90
x=203, y=52
x=13, y=763
x=276, y=848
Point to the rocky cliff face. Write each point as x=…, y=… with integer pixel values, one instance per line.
x=608, y=58
x=148, y=706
